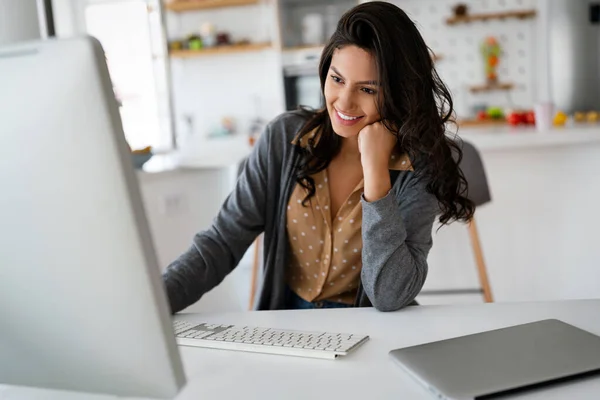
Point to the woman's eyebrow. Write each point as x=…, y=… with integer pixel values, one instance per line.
x=373, y=83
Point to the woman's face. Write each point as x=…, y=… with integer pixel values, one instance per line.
x=351, y=90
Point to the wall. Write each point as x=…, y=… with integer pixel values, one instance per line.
x=242, y=86
x=18, y=21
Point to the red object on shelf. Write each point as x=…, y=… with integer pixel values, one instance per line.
x=514, y=118
x=521, y=117
x=530, y=117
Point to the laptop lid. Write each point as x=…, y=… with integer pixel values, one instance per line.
x=502, y=360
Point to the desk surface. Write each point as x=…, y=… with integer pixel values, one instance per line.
x=366, y=374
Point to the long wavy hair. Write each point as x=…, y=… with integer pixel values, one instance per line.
x=415, y=104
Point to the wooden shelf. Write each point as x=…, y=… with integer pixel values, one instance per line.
x=192, y=5
x=487, y=16
x=489, y=87
x=229, y=49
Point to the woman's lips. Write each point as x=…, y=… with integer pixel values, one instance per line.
x=346, y=122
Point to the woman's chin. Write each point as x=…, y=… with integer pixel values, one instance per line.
x=346, y=131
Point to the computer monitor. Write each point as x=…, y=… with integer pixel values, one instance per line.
x=82, y=305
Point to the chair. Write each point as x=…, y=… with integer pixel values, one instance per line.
x=479, y=192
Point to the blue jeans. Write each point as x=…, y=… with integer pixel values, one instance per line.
x=295, y=302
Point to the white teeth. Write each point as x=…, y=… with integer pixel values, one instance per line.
x=346, y=117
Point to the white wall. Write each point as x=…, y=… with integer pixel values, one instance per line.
x=18, y=21
x=226, y=86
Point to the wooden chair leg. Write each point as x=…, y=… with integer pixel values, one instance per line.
x=254, y=273
x=481, y=269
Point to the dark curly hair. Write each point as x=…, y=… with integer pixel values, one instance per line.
x=415, y=101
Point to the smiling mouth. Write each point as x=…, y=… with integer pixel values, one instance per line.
x=346, y=117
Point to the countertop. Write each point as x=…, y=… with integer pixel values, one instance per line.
x=218, y=153
x=228, y=152
x=502, y=138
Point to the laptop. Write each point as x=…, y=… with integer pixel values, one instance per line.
x=502, y=361
x=82, y=305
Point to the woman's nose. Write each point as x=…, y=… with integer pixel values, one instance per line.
x=346, y=100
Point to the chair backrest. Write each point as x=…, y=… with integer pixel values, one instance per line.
x=472, y=167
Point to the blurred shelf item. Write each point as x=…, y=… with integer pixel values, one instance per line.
x=488, y=87
x=481, y=122
x=463, y=19
x=224, y=49
x=192, y=5
x=437, y=57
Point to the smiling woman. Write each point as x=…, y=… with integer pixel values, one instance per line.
x=346, y=195
x=376, y=68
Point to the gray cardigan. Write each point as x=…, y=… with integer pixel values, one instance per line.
x=396, y=232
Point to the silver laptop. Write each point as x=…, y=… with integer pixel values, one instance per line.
x=82, y=305
x=502, y=361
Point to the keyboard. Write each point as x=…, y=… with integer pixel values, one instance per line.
x=266, y=340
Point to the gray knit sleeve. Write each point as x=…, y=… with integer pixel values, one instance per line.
x=396, y=233
x=217, y=251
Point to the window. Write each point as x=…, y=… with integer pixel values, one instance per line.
x=132, y=35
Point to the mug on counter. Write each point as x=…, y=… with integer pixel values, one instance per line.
x=544, y=112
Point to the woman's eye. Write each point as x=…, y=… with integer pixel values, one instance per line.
x=368, y=91
x=336, y=79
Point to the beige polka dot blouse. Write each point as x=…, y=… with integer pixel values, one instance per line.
x=325, y=263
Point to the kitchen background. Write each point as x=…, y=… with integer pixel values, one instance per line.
x=196, y=105
x=457, y=47
x=249, y=85
x=187, y=70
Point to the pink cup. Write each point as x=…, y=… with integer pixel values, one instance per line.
x=544, y=112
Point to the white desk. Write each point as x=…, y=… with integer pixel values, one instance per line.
x=366, y=374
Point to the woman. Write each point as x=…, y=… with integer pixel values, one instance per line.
x=346, y=196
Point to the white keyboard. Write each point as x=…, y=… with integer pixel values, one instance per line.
x=266, y=340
